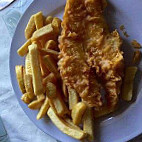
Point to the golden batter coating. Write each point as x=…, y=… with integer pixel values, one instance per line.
x=86, y=44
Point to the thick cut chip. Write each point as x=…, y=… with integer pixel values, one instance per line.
x=44, y=69
x=48, y=20
x=71, y=124
x=51, y=90
x=41, y=97
x=38, y=43
x=56, y=23
x=73, y=98
x=30, y=28
x=20, y=77
x=58, y=105
x=77, y=134
x=35, y=104
x=50, y=78
x=77, y=112
x=28, y=69
x=38, y=17
x=43, y=42
x=43, y=110
x=51, y=52
x=25, y=98
x=28, y=83
x=31, y=96
x=51, y=44
x=28, y=75
x=23, y=50
x=36, y=71
x=51, y=65
x=46, y=31
x=88, y=123
x=127, y=91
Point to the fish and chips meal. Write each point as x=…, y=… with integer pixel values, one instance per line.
x=69, y=63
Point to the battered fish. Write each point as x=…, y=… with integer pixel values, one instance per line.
x=89, y=49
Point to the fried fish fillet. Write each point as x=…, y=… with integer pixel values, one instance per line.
x=73, y=65
x=87, y=45
x=103, y=50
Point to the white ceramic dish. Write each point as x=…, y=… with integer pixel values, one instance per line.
x=125, y=123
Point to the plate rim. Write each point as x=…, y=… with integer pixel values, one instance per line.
x=127, y=138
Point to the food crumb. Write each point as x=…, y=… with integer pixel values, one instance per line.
x=122, y=27
x=135, y=44
x=136, y=56
x=125, y=34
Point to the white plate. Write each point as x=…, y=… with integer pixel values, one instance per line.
x=127, y=122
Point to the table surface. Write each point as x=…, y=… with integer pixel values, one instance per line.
x=17, y=124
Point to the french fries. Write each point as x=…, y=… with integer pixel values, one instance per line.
x=44, y=70
x=23, y=50
x=25, y=98
x=46, y=31
x=51, y=90
x=50, y=52
x=38, y=43
x=77, y=112
x=28, y=76
x=43, y=42
x=28, y=69
x=36, y=104
x=56, y=24
x=38, y=82
x=58, y=105
x=51, y=65
x=48, y=20
x=36, y=71
x=43, y=110
x=77, y=134
x=31, y=96
x=88, y=123
x=127, y=91
x=20, y=78
x=50, y=78
x=73, y=98
x=71, y=124
x=38, y=18
x=51, y=44
x=30, y=28
x=28, y=83
x=41, y=97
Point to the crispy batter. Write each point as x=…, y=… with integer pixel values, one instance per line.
x=93, y=98
x=73, y=66
x=109, y=65
x=135, y=44
x=86, y=43
x=103, y=50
